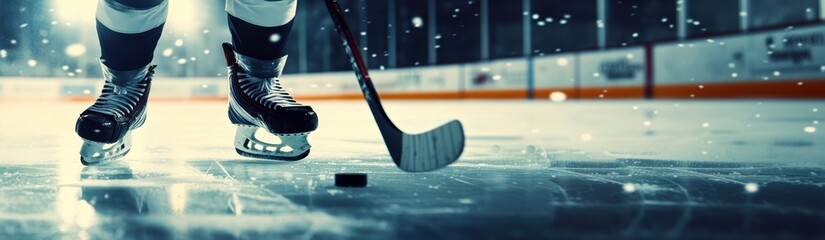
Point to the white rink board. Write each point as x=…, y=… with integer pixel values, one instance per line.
x=424, y=79
x=619, y=67
x=334, y=83
x=556, y=71
x=406, y=80
x=715, y=60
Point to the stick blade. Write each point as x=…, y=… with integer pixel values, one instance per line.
x=432, y=150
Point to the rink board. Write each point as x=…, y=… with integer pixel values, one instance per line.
x=786, y=63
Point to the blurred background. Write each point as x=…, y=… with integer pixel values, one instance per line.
x=455, y=49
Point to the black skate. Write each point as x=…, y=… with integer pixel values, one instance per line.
x=106, y=127
x=257, y=100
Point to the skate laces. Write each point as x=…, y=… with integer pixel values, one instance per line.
x=266, y=91
x=121, y=99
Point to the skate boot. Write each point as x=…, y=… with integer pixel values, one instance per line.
x=257, y=100
x=106, y=127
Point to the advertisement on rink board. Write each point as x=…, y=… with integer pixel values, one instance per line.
x=501, y=75
x=620, y=67
x=792, y=53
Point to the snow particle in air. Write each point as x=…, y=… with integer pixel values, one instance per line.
x=815, y=110
x=810, y=129
x=705, y=125
x=277, y=37
x=75, y=50
x=3, y=53
x=734, y=75
x=179, y=42
x=647, y=123
x=496, y=77
x=535, y=16
x=182, y=61
x=629, y=187
x=635, y=35
x=586, y=137
x=777, y=73
x=168, y=52
x=417, y=22
x=465, y=201
x=557, y=96
x=32, y=63
x=495, y=148
x=596, y=74
x=530, y=149
x=751, y=187
x=206, y=51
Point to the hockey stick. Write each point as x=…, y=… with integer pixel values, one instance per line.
x=411, y=152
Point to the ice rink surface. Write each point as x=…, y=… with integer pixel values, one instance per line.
x=589, y=169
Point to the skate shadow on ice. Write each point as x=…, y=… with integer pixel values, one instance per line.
x=117, y=204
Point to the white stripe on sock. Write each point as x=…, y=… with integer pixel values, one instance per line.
x=263, y=13
x=125, y=19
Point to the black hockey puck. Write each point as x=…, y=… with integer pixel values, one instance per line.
x=350, y=180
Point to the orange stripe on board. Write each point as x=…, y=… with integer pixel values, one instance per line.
x=809, y=89
x=478, y=94
x=618, y=92
x=496, y=94
x=386, y=95
x=544, y=93
x=154, y=99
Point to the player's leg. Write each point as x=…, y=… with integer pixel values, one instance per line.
x=128, y=31
x=260, y=29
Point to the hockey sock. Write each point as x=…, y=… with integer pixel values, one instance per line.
x=129, y=31
x=260, y=28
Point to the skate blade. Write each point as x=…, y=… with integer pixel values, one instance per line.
x=93, y=153
x=273, y=157
x=292, y=147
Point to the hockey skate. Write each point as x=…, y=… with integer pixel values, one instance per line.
x=257, y=100
x=106, y=127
